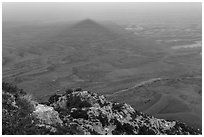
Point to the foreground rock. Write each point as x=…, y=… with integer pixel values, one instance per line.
x=82, y=112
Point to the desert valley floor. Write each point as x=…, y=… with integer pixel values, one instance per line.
x=153, y=74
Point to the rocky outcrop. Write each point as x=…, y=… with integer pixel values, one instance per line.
x=47, y=114
x=83, y=112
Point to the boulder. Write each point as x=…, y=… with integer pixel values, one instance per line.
x=47, y=115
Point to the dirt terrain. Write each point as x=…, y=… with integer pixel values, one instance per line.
x=152, y=77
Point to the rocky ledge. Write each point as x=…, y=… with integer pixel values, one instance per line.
x=79, y=112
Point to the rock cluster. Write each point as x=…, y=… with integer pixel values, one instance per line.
x=84, y=112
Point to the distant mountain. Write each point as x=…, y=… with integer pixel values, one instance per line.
x=79, y=112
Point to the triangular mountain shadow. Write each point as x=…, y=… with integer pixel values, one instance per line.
x=86, y=31
x=87, y=24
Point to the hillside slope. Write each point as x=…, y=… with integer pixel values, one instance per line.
x=79, y=112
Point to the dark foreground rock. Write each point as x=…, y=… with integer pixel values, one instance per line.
x=80, y=112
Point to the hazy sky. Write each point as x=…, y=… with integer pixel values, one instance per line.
x=51, y=12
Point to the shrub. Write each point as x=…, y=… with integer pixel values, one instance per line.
x=69, y=90
x=78, y=89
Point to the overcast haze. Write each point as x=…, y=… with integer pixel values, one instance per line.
x=51, y=12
